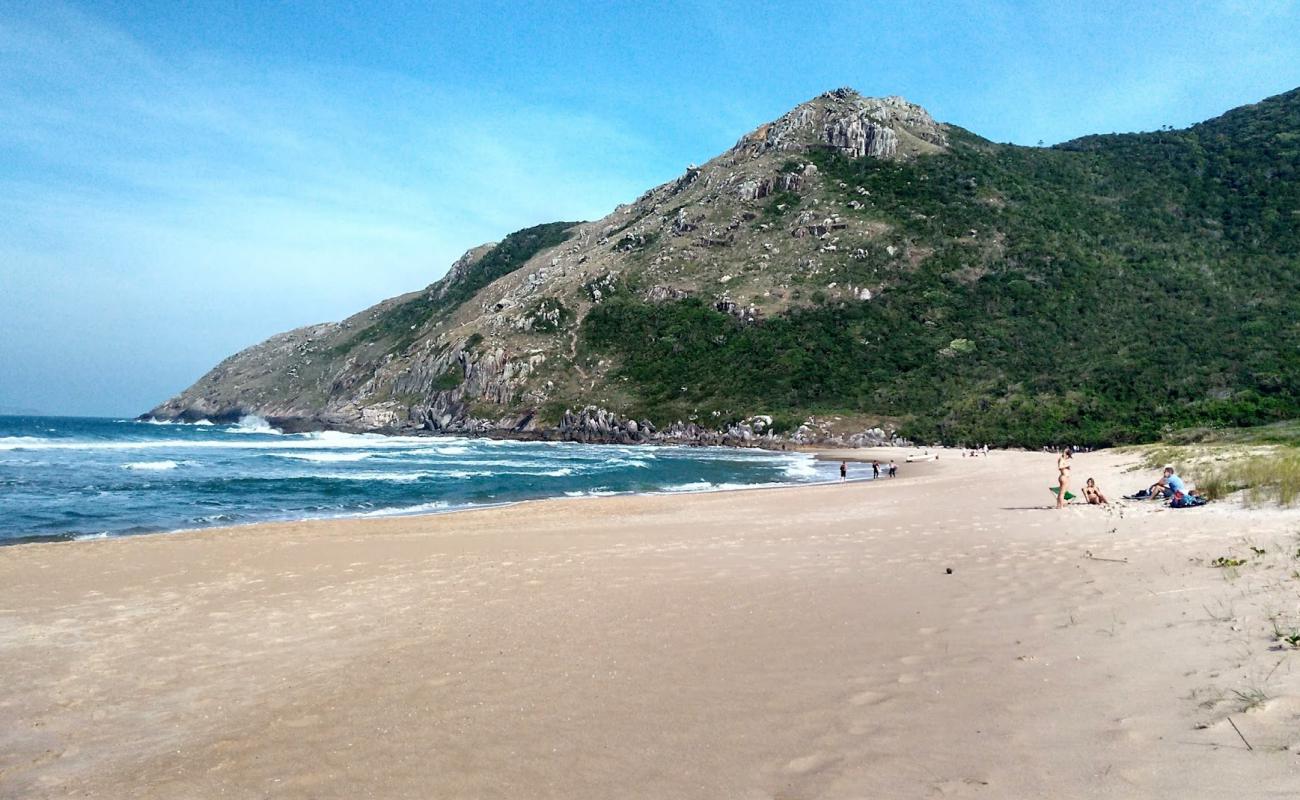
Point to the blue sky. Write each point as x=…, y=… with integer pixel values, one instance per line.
x=180, y=181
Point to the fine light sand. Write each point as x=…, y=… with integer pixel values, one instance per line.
x=783, y=643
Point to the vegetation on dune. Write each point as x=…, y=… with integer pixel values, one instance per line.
x=1263, y=461
x=1103, y=291
x=1272, y=476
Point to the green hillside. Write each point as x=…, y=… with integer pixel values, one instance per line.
x=1101, y=291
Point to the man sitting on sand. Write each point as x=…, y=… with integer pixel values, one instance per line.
x=1168, y=485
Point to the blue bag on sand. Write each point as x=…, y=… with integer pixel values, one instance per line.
x=1186, y=501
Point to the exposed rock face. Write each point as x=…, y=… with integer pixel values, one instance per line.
x=593, y=424
x=856, y=125
x=484, y=349
x=858, y=137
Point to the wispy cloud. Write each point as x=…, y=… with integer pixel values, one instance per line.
x=259, y=198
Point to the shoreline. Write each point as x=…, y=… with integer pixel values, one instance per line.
x=818, y=455
x=946, y=633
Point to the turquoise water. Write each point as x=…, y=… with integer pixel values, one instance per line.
x=68, y=478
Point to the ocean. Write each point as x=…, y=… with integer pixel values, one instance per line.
x=75, y=478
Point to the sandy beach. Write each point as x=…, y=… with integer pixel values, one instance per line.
x=803, y=642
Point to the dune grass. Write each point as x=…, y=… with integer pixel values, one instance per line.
x=1265, y=474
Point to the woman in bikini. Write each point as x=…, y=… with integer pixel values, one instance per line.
x=1063, y=475
x=1093, y=495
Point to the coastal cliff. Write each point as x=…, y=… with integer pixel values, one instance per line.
x=852, y=271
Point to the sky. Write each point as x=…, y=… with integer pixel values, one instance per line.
x=180, y=181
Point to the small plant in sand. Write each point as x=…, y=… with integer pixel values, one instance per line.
x=1252, y=697
x=1228, y=561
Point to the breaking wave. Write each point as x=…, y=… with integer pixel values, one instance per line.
x=151, y=465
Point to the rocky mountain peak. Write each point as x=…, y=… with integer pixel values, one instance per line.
x=857, y=126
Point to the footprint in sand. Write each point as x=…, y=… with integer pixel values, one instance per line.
x=810, y=763
x=868, y=698
x=962, y=787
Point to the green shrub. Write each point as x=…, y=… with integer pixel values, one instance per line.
x=1115, y=289
x=452, y=378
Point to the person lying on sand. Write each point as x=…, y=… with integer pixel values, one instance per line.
x=1093, y=494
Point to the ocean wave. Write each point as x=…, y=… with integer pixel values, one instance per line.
x=800, y=468
x=391, y=477
x=211, y=519
x=21, y=442
x=462, y=474
x=707, y=486
x=325, y=457
x=422, y=508
x=278, y=443
x=252, y=424
x=451, y=451
x=345, y=439
x=203, y=423
x=151, y=465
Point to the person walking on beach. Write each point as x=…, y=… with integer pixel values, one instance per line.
x=1063, y=475
x=844, y=470
x=893, y=469
x=875, y=469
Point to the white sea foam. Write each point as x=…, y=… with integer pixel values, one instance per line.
x=422, y=508
x=392, y=477
x=462, y=474
x=284, y=442
x=706, y=486
x=556, y=473
x=252, y=424
x=151, y=465
x=22, y=442
x=800, y=468
x=154, y=421
x=325, y=457
x=451, y=451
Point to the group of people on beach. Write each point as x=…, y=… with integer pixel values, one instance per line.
x=1091, y=491
x=890, y=469
x=1169, y=486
